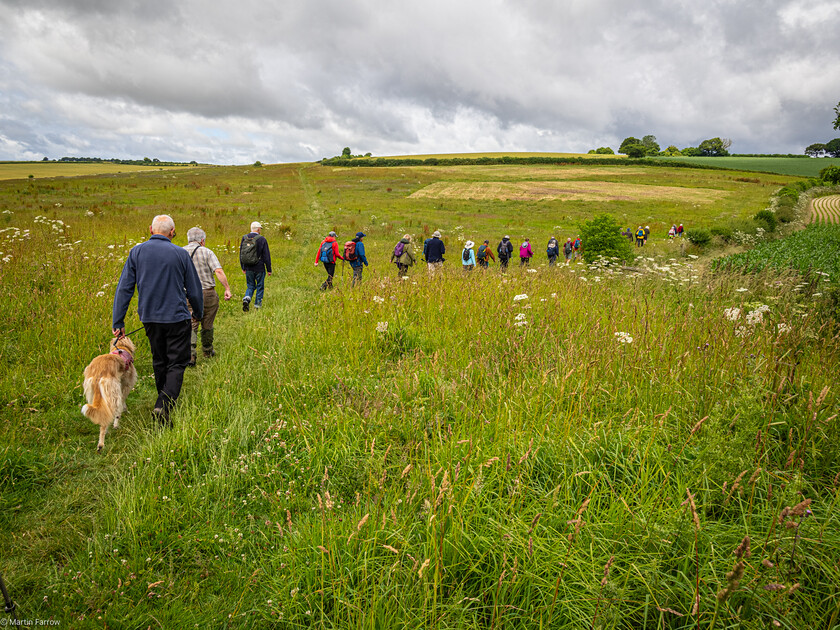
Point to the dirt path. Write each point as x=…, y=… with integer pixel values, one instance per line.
x=825, y=210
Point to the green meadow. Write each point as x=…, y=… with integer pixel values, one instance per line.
x=802, y=166
x=642, y=446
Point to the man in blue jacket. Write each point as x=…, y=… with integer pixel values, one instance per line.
x=357, y=260
x=165, y=279
x=434, y=251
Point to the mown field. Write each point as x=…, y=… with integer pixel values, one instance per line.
x=564, y=448
x=804, y=167
x=23, y=170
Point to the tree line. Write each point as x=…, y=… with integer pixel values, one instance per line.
x=648, y=146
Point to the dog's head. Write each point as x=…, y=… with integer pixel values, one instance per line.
x=123, y=343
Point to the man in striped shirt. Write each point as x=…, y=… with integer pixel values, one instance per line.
x=207, y=266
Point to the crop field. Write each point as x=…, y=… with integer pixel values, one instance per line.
x=645, y=446
x=23, y=170
x=825, y=210
x=804, y=166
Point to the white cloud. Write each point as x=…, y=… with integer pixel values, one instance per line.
x=232, y=82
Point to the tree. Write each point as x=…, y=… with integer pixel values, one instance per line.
x=815, y=150
x=831, y=174
x=635, y=150
x=601, y=151
x=46, y=159
x=837, y=119
x=650, y=145
x=672, y=151
x=602, y=236
x=346, y=153
x=713, y=147
x=833, y=147
x=629, y=140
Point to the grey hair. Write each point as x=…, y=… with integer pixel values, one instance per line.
x=196, y=235
x=162, y=224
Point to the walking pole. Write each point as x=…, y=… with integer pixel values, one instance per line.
x=10, y=605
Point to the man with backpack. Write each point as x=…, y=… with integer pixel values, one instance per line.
x=568, y=248
x=553, y=251
x=354, y=253
x=505, y=250
x=435, y=250
x=255, y=261
x=577, y=247
x=327, y=254
x=484, y=252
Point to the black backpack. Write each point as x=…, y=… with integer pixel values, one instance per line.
x=466, y=255
x=248, y=253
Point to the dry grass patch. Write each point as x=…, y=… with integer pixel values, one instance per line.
x=72, y=169
x=566, y=190
x=535, y=172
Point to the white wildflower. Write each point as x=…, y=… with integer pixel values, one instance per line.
x=624, y=337
x=382, y=327
x=520, y=317
x=522, y=323
x=782, y=328
x=378, y=299
x=521, y=296
x=741, y=289
x=732, y=313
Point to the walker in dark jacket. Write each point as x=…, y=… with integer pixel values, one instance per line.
x=435, y=250
x=165, y=279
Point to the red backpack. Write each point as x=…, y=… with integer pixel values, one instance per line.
x=350, y=251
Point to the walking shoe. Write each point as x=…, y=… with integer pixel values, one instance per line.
x=162, y=418
x=245, y=302
x=192, y=361
x=209, y=354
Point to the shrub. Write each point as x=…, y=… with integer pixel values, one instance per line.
x=698, y=236
x=831, y=174
x=601, y=236
x=785, y=213
x=767, y=218
x=723, y=231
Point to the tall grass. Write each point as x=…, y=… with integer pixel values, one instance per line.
x=430, y=451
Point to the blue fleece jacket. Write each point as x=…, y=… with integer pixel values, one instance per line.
x=165, y=279
x=361, y=259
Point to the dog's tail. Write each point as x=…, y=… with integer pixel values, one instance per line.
x=105, y=396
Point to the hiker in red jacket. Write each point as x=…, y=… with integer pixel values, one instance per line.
x=328, y=254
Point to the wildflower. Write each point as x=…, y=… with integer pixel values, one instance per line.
x=382, y=327
x=522, y=323
x=741, y=290
x=520, y=317
x=405, y=277
x=693, y=257
x=378, y=299
x=732, y=313
x=624, y=337
x=532, y=271
x=521, y=296
x=782, y=328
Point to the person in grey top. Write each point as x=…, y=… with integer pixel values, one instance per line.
x=209, y=268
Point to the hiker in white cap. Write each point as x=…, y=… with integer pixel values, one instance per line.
x=505, y=251
x=255, y=261
x=435, y=250
x=468, y=256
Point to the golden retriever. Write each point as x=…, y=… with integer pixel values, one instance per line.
x=108, y=380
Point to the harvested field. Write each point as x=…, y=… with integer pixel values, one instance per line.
x=565, y=190
x=504, y=171
x=825, y=210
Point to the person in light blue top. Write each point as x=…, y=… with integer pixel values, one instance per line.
x=468, y=256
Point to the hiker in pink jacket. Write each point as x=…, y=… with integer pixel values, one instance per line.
x=525, y=253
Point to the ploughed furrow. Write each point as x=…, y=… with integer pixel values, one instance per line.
x=825, y=210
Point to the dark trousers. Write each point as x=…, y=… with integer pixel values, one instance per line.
x=357, y=275
x=330, y=267
x=170, y=344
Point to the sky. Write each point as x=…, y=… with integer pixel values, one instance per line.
x=224, y=82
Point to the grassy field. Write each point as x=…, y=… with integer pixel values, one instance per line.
x=564, y=448
x=23, y=170
x=804, y=167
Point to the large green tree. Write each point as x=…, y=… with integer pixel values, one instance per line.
x=815, y=150
x=628, y=141
x=833, y=147
x=837, y=119
x=715, y=147
x=651, y=145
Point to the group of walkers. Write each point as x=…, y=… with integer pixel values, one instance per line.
x=642, y=234
x=434, y=249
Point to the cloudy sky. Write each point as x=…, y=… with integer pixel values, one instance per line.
x=231, y=82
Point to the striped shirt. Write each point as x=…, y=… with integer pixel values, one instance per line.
x=206, y=263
